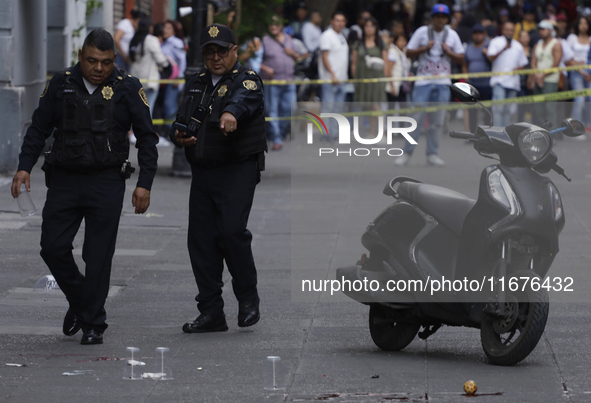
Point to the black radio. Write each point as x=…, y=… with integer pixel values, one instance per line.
x=194, y=123
x=196, y=120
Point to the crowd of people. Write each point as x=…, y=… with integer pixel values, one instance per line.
x=152, y=52
x=464, y=37
x=453, y=39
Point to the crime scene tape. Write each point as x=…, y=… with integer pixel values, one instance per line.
x=550, y=97
x=457, y=76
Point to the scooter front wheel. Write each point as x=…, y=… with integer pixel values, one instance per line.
x=511, y=338
x=387, y=332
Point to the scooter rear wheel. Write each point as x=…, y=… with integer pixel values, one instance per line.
x=508, y=340
x=387, y=332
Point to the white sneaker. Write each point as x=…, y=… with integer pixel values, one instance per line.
x=163, y=142
x=402, y=160
x=434, y=159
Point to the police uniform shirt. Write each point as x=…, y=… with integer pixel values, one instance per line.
x=238, y=92
x=130, y=110
x=246, y=99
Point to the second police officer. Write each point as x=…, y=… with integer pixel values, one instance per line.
x=221, y=125
x=91, y=106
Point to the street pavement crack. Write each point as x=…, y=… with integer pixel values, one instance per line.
x=557, y=366
x=426, y=371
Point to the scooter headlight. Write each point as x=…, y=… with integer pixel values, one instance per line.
x=556, y=202
x=500, y=190
x=534, y=145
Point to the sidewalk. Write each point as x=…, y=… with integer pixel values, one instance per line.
x=325, y=347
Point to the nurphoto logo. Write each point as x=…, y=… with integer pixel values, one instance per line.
x=344, y=135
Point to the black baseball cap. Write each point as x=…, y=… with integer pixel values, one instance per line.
x=218, y=34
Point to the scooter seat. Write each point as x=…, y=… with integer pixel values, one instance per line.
x=449, y=207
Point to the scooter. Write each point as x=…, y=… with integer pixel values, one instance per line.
x=438, y=257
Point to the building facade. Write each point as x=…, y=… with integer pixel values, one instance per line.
x=25, y=65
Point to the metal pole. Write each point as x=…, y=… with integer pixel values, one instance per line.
x=195, y=62
x=180, y=166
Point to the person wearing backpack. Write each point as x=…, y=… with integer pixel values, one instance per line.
x=436, y=46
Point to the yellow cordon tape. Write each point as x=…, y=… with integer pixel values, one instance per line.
x=556, y=96
x=550, y=97
x=458, y=76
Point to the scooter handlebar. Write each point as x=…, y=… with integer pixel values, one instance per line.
x=560, y=129
x=462, y=135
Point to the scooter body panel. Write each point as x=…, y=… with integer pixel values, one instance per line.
x=537, y=216
x=488, y=224
x=411, y=244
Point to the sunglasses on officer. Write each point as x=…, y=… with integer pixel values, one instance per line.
x=209, y=54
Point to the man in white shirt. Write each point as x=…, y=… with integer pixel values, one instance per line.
x=124, y=32
x=333, y=65
x=436, y=46
x=506, y=54
x=311, y=31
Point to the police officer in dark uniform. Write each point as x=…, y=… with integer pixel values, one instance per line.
x=92, y=106
x=222, y=127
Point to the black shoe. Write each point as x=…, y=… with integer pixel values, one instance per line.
x=92, y=336
x=248, y=313
x=71, y=324
x=206, y=323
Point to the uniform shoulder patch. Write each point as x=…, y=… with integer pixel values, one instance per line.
x=45, y=90
x=143, y=97
x=249, y=85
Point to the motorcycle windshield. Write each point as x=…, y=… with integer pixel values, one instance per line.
x=496, y=133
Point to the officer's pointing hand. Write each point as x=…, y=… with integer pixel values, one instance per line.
x=182, y=140
x=19, y=178
x=228, y=123
x=140, y=200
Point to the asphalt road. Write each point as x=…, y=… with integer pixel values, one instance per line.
x=307, y=218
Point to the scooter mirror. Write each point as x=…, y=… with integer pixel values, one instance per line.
x=574, y=128
x=465, y=93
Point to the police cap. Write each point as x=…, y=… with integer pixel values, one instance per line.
x=218, y=34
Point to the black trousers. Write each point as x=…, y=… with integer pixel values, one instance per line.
x=98, y=199
x=219, y=205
